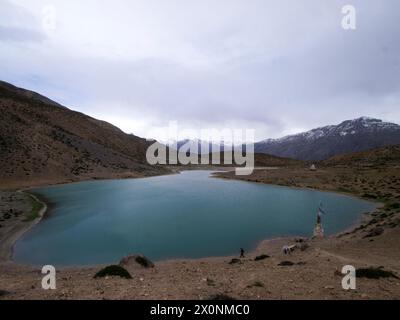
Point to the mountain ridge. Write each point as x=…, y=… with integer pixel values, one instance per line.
x=40, y=138
x=321, y=143
x=42, y=141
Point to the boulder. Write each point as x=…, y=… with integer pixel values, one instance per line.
x=375, y=232
x=261, y=257
x=3, y=293
x=113, y=271
x=234, y=261
x=286, y=264
x=136, y=260
x=375, y=273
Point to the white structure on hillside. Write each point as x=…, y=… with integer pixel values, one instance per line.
x=313, y=167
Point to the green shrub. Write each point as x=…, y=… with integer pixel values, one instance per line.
x=369, y=196
x=3, y=293
x=234, y=261
x=113, y=270
x=144, y=262
x=392, y=205
x=286, y=263
x=374, y=273
x=258, y=284
x=261, y=257
x=36, y=206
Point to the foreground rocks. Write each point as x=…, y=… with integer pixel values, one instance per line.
x=134, y=263
x=3, y=293
x=312, y=274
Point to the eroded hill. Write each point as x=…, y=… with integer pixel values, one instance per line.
x=44, y=142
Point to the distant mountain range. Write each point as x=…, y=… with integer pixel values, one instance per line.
x=42, y=141
x=321, y=143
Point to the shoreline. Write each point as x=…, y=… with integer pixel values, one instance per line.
x=7, y=249
x=7, y=246
x=379, y=204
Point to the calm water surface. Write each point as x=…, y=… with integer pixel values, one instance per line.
x=189, y=215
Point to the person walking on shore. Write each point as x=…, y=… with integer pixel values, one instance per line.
x=241, y=252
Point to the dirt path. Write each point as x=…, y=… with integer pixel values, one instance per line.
x=342, y=258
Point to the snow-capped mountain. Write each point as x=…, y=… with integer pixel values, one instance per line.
x=321, y=143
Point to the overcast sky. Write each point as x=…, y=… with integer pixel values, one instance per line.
x=279, y=66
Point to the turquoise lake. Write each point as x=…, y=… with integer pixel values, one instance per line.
x=188, y=215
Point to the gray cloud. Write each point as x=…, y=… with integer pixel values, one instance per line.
x=20, y=34
x=276, y=66
x=18, y=24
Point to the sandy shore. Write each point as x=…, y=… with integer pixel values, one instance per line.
x=23, y=229
x=310, y=274
x=17, y=226
x=313, y=273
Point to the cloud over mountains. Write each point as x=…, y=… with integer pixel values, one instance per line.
x=279, y=67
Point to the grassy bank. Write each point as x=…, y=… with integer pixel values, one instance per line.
x=36, y=208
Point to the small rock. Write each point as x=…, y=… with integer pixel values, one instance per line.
x=3, y=293
x=304, y=246
x=375, y=232
x=137, y=259
x=210, y=282
x=234, y=261
x=220, y=297
x=286, y=263
x=261, y=257
x=337, y=273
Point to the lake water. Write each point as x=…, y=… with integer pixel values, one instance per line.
x=189, y=215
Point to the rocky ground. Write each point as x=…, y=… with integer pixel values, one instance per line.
x=312, y=271
x=310, y=274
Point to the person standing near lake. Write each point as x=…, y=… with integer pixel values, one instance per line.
x=241, y=253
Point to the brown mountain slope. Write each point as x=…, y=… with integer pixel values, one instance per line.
x=266, y=160
x=44, y=142
x=376, y=158
x=260, y=160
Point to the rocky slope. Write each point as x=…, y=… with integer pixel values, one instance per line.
x=44, y=142
x=385, y=157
